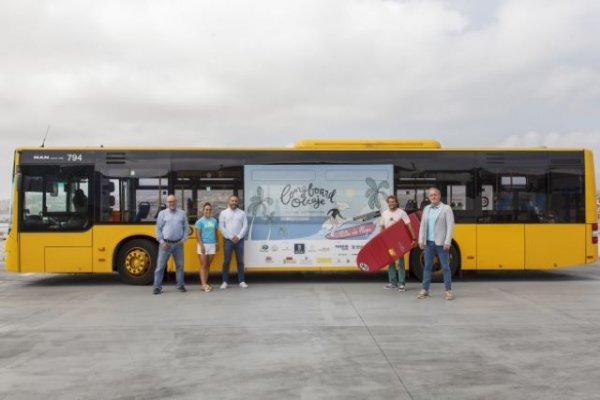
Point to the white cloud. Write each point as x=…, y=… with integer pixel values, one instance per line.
x=272, y=72
x=555, y=139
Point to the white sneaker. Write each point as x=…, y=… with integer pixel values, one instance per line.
x=243, y=285
x=402, y=288
x=223, y=285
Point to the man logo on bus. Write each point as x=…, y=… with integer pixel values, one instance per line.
x=363, y=267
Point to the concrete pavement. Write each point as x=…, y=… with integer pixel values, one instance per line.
x=518, y=335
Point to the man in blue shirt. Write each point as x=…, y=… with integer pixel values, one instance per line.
x=171, y=232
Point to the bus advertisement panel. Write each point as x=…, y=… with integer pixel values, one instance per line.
x=312, y=215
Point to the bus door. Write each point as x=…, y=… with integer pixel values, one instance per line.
x=194, y=188
x=55, y=219
x=500, y=229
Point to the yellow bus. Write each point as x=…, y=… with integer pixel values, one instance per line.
x=310, y=206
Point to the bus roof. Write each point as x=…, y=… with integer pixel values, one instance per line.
x=318, y=145
x=361, y=144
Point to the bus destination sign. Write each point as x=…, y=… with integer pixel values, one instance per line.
x=59, y=157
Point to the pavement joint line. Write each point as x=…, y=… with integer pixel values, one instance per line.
x=377, y=344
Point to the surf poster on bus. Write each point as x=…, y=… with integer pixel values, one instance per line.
x=312, y=215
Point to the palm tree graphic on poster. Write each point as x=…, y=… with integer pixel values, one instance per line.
x=270, y=217
x=258, y=203
x=374, y=192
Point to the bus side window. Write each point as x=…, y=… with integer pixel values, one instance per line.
x=505, y=201
x=411, y=206
x=113, y=215
x=163, y=206
x=31, y=219
x=107, y=201
x=80, y=201
x=142, y=212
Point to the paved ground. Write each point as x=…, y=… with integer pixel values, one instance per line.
x=532, y=335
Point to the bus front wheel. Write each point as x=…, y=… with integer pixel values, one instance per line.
x=417, y=264
x=136, y=262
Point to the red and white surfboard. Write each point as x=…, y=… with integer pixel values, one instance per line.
x=388, y=245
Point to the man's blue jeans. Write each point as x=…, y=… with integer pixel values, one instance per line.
x=397, y=273
x=163, y=256
x=228, y=248
x=431, y=249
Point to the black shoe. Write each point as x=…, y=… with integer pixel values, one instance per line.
x=156, y=291
x=182, y=289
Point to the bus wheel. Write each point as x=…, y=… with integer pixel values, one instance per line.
x=136, y=262
x=417, y=264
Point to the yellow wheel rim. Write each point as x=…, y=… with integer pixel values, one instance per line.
x=137, y=261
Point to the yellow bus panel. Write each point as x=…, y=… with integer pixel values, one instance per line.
x=31, y=256
x=33, y=246
x=11, y=249
x=566, y=242
x=591, y=212
x=501, y=246
x=465, y=236
x=591, y=255
x=68, y=259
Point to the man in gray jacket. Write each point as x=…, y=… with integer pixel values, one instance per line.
x=435, y=238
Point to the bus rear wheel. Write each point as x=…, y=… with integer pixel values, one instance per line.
x=417, y=264
x=136, y=262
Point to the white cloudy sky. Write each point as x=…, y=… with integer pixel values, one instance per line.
x=238, y=72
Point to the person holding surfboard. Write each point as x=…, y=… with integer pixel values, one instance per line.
x=435, y=237
x=396, y=269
